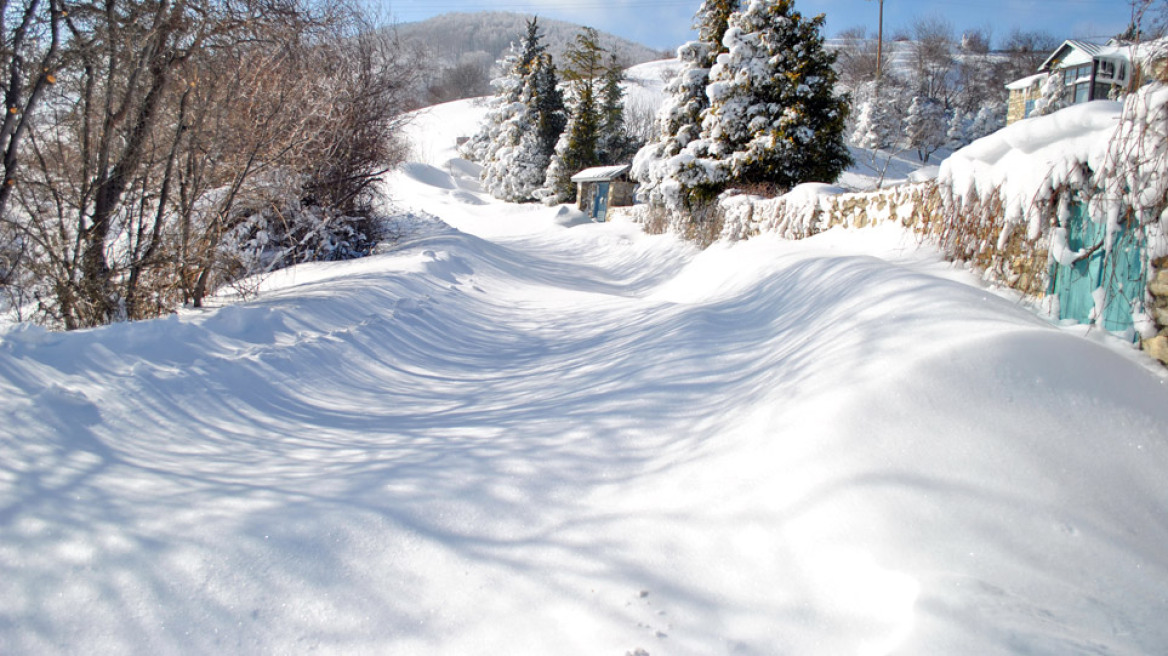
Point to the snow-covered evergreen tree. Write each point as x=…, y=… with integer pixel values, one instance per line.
x=989, y=119
x=871, y=129
x=878, y=113
x=1052, y=96
x=548, y=104
x=518, y=167
x=774, y=117
x=518, y=136
x=503, y=106
x=578, y=146
x=924, y=127
x=613, y=144
x=957, y=134
x=514, y=69
x=658, y=165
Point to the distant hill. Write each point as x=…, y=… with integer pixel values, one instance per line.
x=451, y=37
x=460, y=49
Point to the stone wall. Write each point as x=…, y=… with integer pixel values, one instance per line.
x=620, y=194
x=1157, y=346
x=1016, y=108
x=974, y=232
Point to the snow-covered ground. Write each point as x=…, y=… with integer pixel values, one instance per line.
x=524, y=433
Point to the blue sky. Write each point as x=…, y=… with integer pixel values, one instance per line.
x=665, y=23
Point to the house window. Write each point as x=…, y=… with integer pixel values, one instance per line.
x=1029, y=108
x=1102, y=91
x=1076, y=74
x=1106, y=69
x=1078, y=78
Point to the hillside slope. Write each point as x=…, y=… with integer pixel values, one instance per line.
x=451, y=36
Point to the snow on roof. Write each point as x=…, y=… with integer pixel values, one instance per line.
x=601, y=173
x=1093, y=49
x=1026, y=82
x=1027, y=159
x=1087, y=51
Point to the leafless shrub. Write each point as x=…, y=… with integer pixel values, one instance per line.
x=186, y=144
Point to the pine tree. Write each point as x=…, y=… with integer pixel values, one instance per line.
x=515, y=68
x=520, y=171
x=578, y=146
x=548, y=105
x=657, y=165
x=613, y=145
x=924, y=127
x=532, y=49
x=989, y=119
x=522, y=130
x=870, y=131
x=957, y=135
x=774, y=117
x=711, y=22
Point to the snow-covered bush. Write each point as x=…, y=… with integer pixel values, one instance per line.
x=769, y=116
x=270, y=141
x=925, y=126
x=519, y=133
x=1052, y=95
x=774, y=117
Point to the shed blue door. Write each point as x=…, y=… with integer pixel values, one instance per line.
x=600, y=203
x=1120, y=273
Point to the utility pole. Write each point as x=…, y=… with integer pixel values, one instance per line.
x=880, y=43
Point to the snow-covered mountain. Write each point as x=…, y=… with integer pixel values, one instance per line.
x=521, y=432
x=451, y=36
x=460, y=49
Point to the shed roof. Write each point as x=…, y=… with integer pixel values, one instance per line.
x=601, y=173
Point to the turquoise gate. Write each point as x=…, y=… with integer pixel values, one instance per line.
x=1118, y=273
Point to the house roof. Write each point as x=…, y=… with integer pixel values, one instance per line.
x=601, y=173
x=1026, y=82
x=1146, y=53
x=1087, y=51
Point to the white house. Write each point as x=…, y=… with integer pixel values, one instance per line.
x=1089, y=71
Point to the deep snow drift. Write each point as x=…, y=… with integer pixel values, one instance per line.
x=528, y=434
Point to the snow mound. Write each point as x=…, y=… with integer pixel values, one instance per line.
x=428, y=175
x=506, y=435
x=1026, y=160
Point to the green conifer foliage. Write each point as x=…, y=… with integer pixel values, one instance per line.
x=614, y=145
x=547, y=102
x=774, y=117
x=577, y=148
x=656, y=166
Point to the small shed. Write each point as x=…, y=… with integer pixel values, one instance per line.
x=601, y=187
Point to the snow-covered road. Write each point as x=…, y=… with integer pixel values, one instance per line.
x=527, y=434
